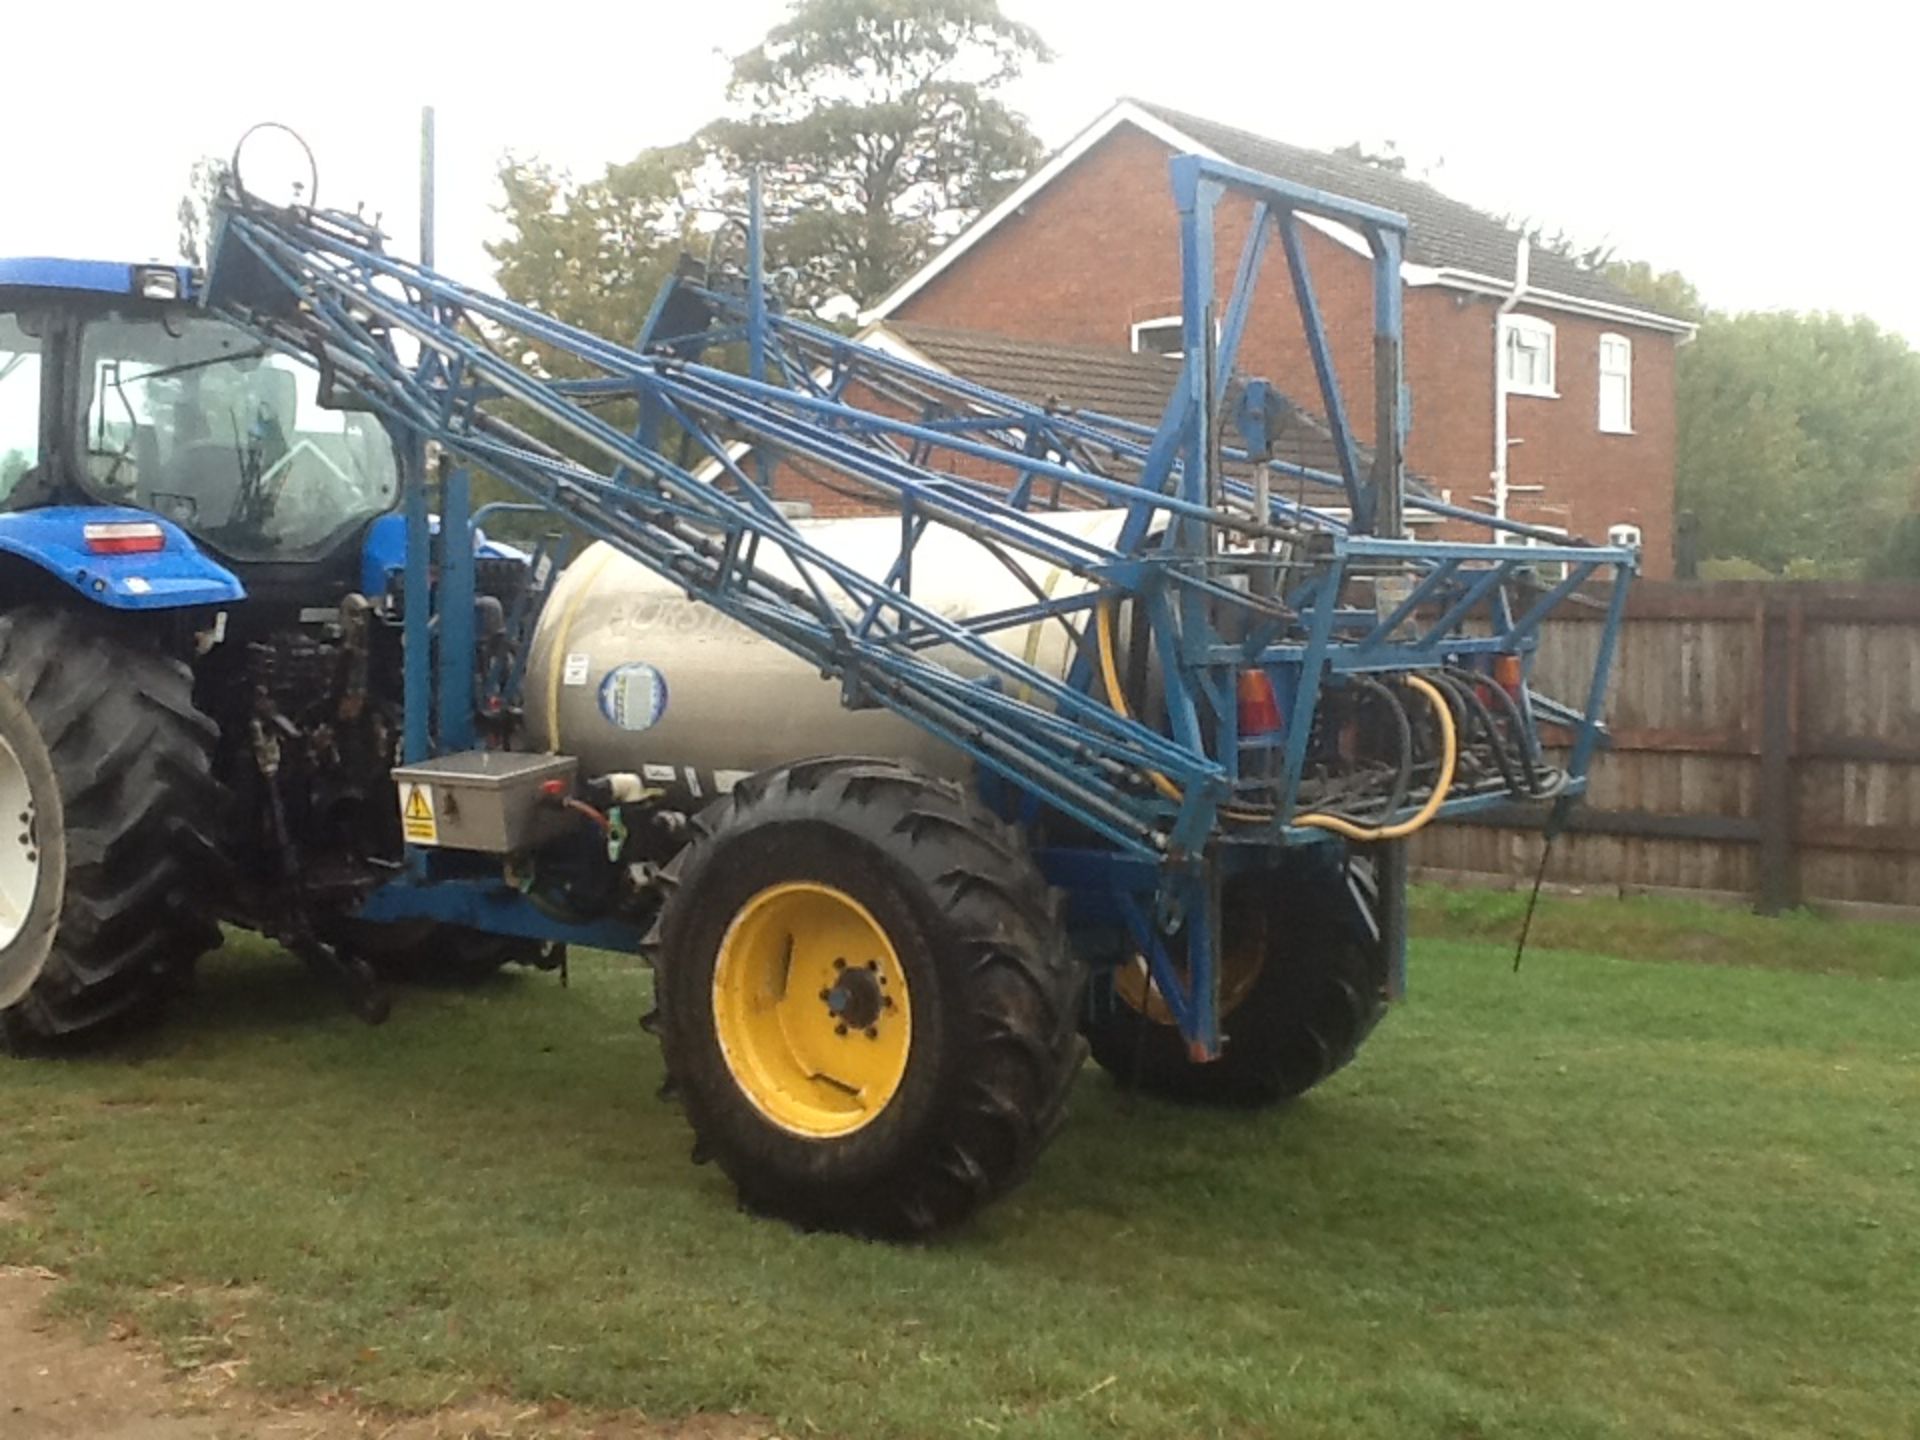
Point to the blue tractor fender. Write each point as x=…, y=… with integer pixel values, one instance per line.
x=119, y=558
x=384, y=552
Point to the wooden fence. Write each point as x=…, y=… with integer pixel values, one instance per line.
x=1766, y=746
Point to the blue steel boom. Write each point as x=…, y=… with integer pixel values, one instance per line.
x=1223, y=575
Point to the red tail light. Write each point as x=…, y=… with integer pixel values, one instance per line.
x=124, y=537
x=1259, y=707
x=1506, y=674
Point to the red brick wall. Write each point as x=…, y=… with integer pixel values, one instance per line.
x=1099, y=249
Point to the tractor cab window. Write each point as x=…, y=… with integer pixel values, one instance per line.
x=194, y=420
x=19, y=400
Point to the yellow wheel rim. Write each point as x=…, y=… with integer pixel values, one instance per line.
x=1244, y=942
x=811, y=1009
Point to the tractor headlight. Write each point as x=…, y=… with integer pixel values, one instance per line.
x=157, y=282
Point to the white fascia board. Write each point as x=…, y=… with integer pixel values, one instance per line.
x=1556, y=300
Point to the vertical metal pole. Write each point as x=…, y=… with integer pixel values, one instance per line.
x=1390, y=880
x=1389, y=413
x=757, y=309
x=426, y=185
x=453, y=600
x=416, y=741
x=416, y=626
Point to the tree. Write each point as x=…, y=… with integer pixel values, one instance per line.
x=1665, y=292
x=878, y=131
x=195, y=212
x=1799, y=439
x=592, y=253
x=1387, y=157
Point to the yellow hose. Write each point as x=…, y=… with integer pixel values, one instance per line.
x=1443, y=714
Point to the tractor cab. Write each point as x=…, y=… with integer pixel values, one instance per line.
x=115, y=389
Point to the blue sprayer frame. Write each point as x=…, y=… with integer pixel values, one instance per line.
x=320, y=285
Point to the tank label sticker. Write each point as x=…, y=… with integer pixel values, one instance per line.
x=725, y=780
x=633, y=696
x=659, y=774
x=417, y=820
x=574, y=672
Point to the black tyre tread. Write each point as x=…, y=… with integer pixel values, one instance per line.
x=1021, y=992
x=133, y=757
x=1319, y=995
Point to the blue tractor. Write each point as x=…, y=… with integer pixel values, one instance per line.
x=1091, y=736
x=198, y=561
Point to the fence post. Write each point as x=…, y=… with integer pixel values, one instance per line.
x=1779, y=679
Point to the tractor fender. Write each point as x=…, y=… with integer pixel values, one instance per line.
x=175, y=575
x=383, y=554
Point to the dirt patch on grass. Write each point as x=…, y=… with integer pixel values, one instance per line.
x=63, y=1387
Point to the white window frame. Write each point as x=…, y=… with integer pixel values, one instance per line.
x=1540, y=332
x=1621, y=424
x=1156, y=322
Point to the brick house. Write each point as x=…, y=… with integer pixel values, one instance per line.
x=1084, y=256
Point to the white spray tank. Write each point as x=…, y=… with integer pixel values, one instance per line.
x=629, y=674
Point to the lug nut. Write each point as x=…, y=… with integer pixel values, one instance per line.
x=839, y=1029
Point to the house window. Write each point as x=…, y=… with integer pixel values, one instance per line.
x=1552, y=571
x=1616, y=384
x=1162, y=335
x=1526, y=346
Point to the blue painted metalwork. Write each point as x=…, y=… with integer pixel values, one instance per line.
x=489, y=905
x=1227, y=574
x=98, y=277
x=453, y=695
x=178, y=576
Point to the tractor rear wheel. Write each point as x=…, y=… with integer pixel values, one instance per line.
x=1302, y=984
x=868, y=1005
x=126, y=832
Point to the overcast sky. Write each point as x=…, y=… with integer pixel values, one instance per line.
x=1765, y=150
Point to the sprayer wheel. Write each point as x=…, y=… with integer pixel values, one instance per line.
x=1303, y=983
x=868, y=1004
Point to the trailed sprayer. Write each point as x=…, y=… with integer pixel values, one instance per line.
x=1088, y=734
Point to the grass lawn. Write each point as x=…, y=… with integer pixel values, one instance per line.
x=1605, y=1197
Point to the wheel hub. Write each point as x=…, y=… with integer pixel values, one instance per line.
x=858, y=996
x=810, y=1007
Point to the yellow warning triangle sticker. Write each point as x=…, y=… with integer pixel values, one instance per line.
x=418, y=806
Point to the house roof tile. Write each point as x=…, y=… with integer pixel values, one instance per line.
x=1443, y=232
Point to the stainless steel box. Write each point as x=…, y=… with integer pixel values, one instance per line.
x=486, y=800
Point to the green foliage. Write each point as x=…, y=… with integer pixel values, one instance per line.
x=13, y=465
x=879, y=133
x=590, y=253
x=194, y=213
x=1387, y=157
x=1665, y=292
x=1602, y=1198
x=1901, y=558
x=1799, y=439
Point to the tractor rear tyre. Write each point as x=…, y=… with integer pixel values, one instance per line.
x=868, y=1005
x=1302, y=984
x=123, y=837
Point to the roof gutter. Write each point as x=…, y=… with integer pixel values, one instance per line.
x=1491, y=285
